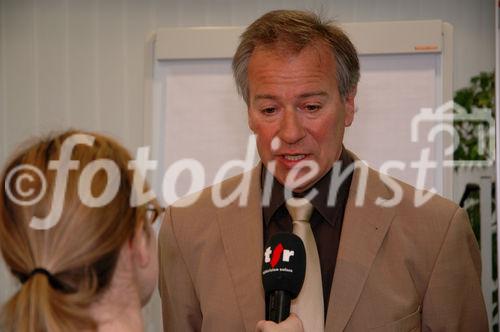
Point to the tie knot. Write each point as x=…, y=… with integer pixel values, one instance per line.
x=300, y=209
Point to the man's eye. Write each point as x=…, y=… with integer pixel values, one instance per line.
x=312, y=108
x=268, y=110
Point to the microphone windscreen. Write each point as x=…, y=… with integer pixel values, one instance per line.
x=284, y=264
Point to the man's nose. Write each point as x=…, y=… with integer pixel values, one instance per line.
x=291, y=128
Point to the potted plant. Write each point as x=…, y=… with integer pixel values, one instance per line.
x=478, y=96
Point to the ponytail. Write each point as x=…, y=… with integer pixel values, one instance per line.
x=38, y=307
x=80, y=252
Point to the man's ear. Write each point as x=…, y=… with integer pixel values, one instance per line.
x=350, y=107
x=140, y=246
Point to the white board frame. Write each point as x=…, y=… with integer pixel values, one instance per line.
x=400, y=37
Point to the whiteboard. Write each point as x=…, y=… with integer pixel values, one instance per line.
x=195, y=112
x=201, y=117
x=391, y=92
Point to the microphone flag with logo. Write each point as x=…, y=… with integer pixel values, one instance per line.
x=283, y=273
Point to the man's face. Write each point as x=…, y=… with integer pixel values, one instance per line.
x=296, y=111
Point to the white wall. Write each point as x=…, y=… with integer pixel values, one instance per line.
x=79, y=63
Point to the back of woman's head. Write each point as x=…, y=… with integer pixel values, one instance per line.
x=64, y=263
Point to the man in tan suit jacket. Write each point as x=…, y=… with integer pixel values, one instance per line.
x=399, y=267
x=403, y=268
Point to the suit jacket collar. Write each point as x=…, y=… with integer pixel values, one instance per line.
x=242, y=238
x=363, y=232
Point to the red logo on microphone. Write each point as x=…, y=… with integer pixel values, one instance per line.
x=278, y=254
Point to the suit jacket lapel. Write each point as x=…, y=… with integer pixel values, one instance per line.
x=363, y=231
x=242, y=237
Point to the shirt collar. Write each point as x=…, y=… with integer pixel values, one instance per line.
x=320, y=201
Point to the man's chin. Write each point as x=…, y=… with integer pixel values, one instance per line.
x=298, y=185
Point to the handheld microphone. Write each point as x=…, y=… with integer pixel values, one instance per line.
x=283, y=273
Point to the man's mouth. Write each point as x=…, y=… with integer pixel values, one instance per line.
x=294, y=157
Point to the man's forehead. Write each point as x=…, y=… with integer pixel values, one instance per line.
x=303, y=71
x=303, y=95
x=316, y=56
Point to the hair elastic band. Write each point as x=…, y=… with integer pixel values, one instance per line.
x=53, y=281
x=41, y=271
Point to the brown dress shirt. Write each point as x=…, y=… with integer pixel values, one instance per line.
x=326, y=221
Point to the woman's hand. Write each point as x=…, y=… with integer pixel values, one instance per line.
x=291, y=324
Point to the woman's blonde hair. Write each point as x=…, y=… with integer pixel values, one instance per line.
x=80, y=251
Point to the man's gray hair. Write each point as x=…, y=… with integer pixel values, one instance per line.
x=294, y=30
